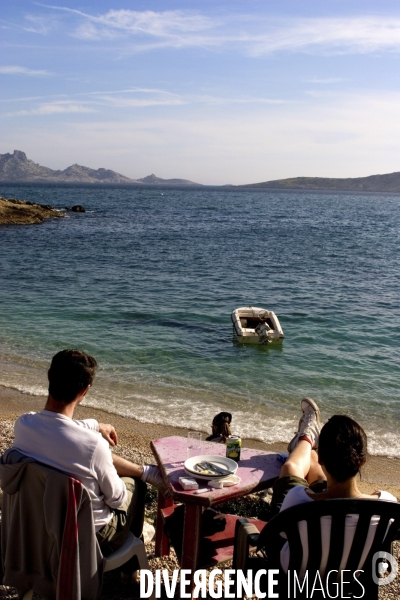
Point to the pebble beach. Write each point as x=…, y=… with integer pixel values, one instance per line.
x=134, y=444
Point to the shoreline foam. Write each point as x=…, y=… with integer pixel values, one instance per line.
x=380, y=472
x=271, y=429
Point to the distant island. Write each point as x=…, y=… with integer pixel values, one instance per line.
x=17, y=168
x=373, y=183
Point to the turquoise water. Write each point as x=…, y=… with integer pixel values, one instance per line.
x=147, y=279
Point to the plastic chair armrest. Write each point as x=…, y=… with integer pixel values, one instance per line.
x=253, y=538
x=246, y=535
x=123, y=554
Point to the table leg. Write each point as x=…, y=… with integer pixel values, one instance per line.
x=191, y=540
x=191, y=536
x=162, y=542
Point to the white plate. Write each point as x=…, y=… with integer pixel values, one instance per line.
x=221, y=461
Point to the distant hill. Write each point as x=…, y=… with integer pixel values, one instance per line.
x=17, y=168
x=373, y=183
x=152, y=179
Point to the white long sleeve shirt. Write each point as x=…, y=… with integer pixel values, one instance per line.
x=78, y=449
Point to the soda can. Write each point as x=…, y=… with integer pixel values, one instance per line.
x=233, y=447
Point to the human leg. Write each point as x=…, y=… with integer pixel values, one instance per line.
x=293, y=472
x=129, y=517
x=302, y=458
x=302, y=465
x=315, y=472
x=298, y=462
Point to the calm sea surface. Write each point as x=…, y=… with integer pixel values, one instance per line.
x=147, y=279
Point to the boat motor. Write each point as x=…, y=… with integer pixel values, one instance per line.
x=262, y=330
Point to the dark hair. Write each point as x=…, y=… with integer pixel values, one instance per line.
x=342, y=447
x=222, y=421
x=71, y=371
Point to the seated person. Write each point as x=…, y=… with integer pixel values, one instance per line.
x=331, y=472
x=220, y=428
x=80, y=448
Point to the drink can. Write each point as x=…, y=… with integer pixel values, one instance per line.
x=233, y=447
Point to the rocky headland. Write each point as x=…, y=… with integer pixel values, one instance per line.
x=17, y=168
x=21, y=212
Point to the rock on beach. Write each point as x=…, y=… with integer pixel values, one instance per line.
x=21, y=212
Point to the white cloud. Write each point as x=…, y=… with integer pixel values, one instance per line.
x=52, y=108
x=175, y=27
x=326, y=80
x=256, y=36
x=141, y=102
x=134, y=98
x=16, y=70
x=36, y=24
x=133, y=90
x=226, y=100
x=169, y=99
x=169, y=24
x=332, y=36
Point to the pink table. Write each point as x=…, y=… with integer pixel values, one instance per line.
x=257, y=470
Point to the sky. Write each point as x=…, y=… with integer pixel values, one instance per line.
x=217, y=92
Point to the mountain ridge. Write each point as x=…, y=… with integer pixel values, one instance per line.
x=389, y=182
x=17, y=168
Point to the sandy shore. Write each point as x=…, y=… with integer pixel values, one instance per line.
x=134, y=439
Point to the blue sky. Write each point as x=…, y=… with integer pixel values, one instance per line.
x=215, y=92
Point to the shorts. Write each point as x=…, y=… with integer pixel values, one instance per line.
x=284, y=484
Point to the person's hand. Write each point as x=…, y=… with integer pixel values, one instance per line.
x=109, y=434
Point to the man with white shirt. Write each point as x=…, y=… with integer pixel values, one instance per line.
x=80, y=448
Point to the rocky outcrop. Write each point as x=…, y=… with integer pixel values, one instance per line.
x=76, y=208
x=21, y=212
x=17, y=167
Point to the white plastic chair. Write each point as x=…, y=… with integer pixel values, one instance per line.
x=132, y=546
x=382, y=516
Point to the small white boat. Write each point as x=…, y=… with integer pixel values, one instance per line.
x=253, y=325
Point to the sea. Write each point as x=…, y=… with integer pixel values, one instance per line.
x=146, y=279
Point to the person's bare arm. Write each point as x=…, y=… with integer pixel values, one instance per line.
x=125, y=468
x=109, y=434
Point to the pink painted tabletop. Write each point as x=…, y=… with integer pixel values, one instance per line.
x=257, y=470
